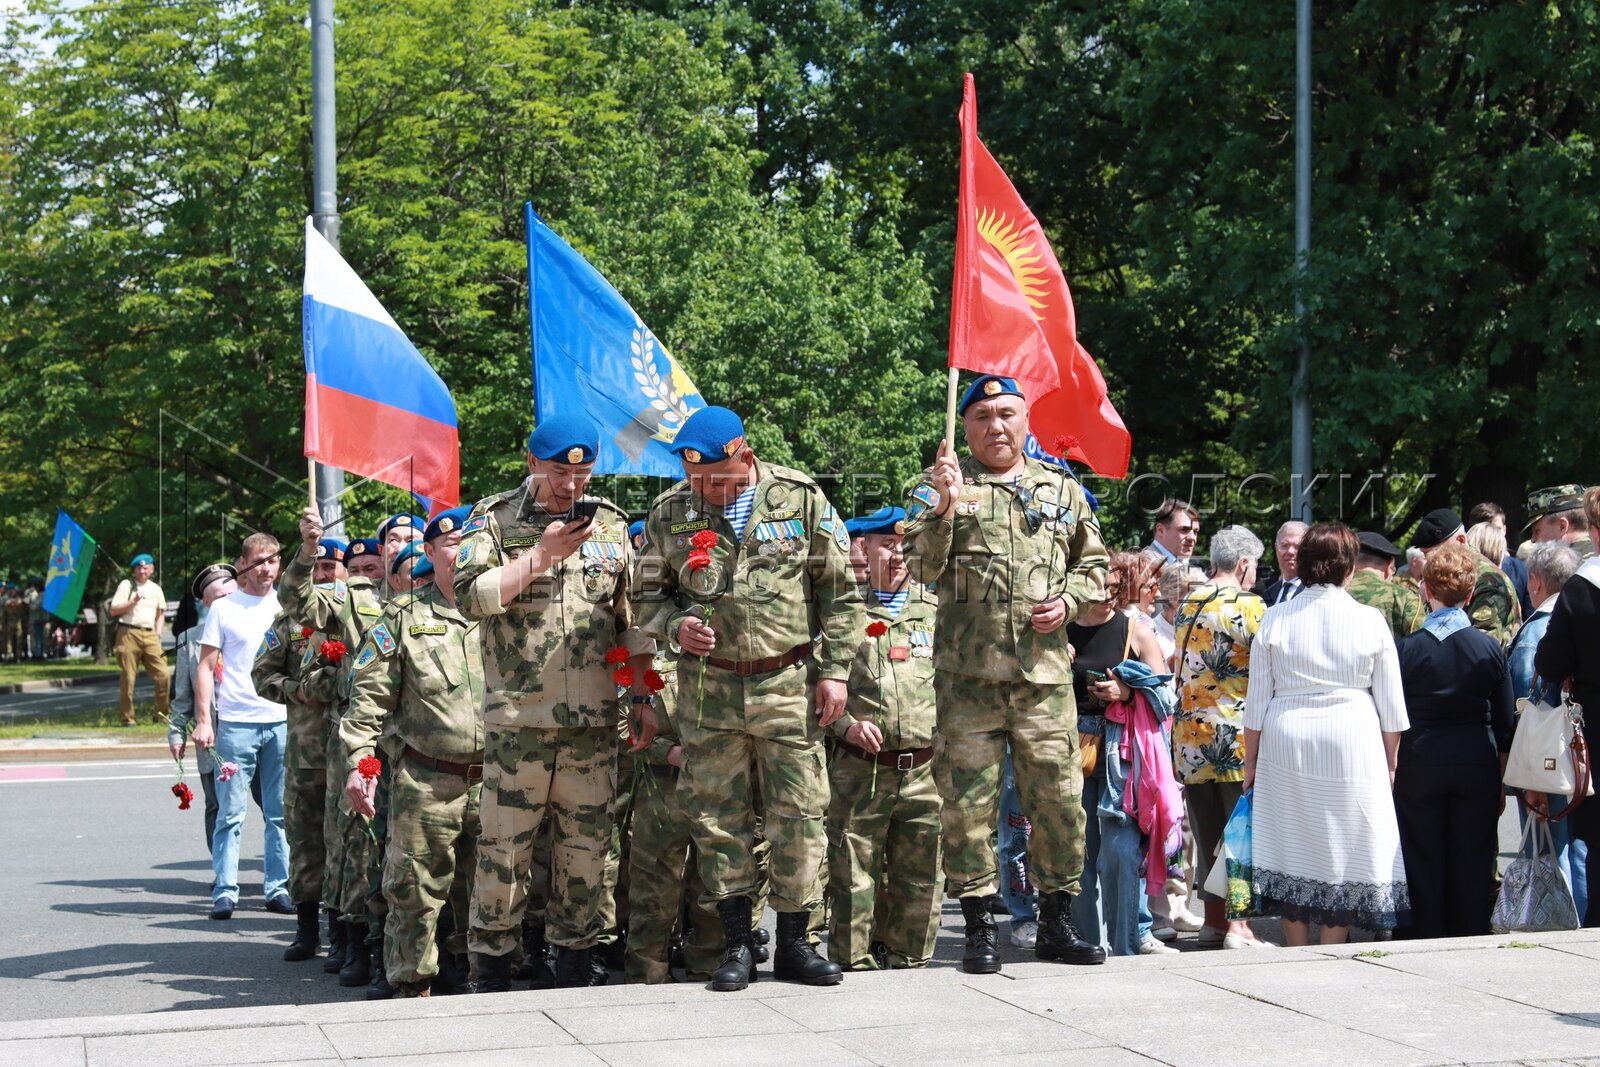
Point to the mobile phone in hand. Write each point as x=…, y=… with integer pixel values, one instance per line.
x=583, y=511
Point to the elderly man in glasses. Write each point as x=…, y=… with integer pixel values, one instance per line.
x=1015, y=554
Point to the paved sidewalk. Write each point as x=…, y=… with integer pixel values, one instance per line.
x=1523, y=999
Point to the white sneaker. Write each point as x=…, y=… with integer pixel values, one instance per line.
x=1211, y=937
x=1153, y=947
x=1186, y=921
x=1024, y=934
x=1163, y=932
x=1235, y=941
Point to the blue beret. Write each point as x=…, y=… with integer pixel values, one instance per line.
x=986, y=386
x=882, y=521
x=403, y=519
x=143, y=557
x=568, y=437
x=636, y=528
x=412, y=552
x=362, y=546
x=852, y=526
x=710, y=435
x=446, y=522
x=328, y=548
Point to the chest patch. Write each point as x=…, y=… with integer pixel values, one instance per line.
x=689, y=527
x=435, y=629
x=781, y=530
x=365, y=657
x=520, y=542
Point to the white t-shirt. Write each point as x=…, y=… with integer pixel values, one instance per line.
x=236, y=624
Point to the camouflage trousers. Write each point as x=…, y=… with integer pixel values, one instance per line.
x=305, y=793
x=753, y=745
x=344, y=881
x=429, y=867
x=614, y=907
x=884, y=852
x=663, y=877
x=976, y=718
x=377, y=905
x=570, y=775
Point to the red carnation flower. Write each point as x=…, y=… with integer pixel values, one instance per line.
x=877, y=628
x=653, y=681
x=369, y=767
x=705, y=540
x=306, y=631
x=184, y=794
x=623, y=676
x=617, y=655
x=1065, y=443
x=699, y=559
x=334, y=651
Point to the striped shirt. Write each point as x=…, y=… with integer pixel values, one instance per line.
x=738, y=512
x=893, y=601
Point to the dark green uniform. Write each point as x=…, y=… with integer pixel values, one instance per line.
x=1399, y=604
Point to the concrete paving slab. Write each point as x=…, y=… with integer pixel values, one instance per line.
x=1455, y=944
x=163, y=1022
x=1586, y=949
x=461, y=1034
x=778, y=1050
x=1188, y=960
x=724, y=1017
x=894, y=1006
x=973, y=1039
x=556, y=1056
x=44, y=1052
x=260, y=1044
x=1445, y=1021
x=1542, y=978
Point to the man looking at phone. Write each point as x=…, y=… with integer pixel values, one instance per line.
x=545, y=569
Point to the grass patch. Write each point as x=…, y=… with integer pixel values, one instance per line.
x=51, y=669
x=1518, y=944
x=1371, y=954
x=77, y=724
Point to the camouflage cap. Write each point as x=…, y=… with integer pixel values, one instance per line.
x=1552, y=501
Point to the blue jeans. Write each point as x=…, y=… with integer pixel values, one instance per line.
x=1016, y=888
x=258, y=750
x=1572, y=855
x=1127, y=909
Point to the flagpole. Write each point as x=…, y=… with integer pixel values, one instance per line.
x=950, y=413
x=324, y=206
x=311, y=469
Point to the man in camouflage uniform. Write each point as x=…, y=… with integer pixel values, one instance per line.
x=1494, y=608
x=1556, y=514
x=1015, y=553
x=883, y=820
x=290, y=670
x=344, y=611
x=419, y=675
x=746, y=563
x=662, y=873
x=545, y=570
x=1373, y=585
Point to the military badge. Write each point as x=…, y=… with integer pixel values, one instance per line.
x=992, y=388
x=900, y=527
x=310, y=654
x=923, y=498
x=434, y=629
x=692, y=455
x=474, y=525
x=921, y=640
x=382, y=638
x=446, y=524
x=463, y=555
x=271, y=639
x=365, y=657
x=731, y=449
x=368, y=609
x=574, y=455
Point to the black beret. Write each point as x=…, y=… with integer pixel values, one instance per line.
x=1436, y=527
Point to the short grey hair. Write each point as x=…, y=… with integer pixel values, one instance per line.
x=1231, y=544
x=1292, y=526
x=1554, y=562
x=1177, y=579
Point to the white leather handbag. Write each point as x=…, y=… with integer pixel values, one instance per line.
x=1549, y=752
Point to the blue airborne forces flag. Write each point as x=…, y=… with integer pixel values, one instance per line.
x=592, y=353
x=71, y=553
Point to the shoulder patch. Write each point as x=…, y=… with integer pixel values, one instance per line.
x=365, y=657
x=923, y=498
x=269, y=643
x=463, y=555
x=310, y=654
x=381, y=638
x=474, y=525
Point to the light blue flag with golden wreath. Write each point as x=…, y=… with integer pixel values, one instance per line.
x=71, y=553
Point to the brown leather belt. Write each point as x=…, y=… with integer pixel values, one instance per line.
x=130, y=626
x=761, y=666
x=902, y=759
x=472, y=772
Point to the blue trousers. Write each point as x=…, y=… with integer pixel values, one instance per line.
x=257, y=748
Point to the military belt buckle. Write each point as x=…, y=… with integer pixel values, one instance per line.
x=905, y=761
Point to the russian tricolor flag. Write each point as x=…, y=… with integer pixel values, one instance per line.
x=374, y=406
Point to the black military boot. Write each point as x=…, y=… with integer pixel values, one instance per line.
x=738, y=968
x=307, y=933
x=379, y=988
x=794, y=957
x=1058, y=938
x=452, y=978
x=535, y=965
x=982, y=955
x=357, y=969
x=338, y=948
x=494, y=974
x=572, y=968
x=759, y=939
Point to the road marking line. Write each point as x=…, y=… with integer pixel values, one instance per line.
x=37, y=773
x=86, y=778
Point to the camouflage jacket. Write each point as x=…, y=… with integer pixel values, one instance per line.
x=1400, y=605
x=289, y=663
x=344, y=610
x=665, y=705
x=421, y=667
x=1494, y=608
x=891, y=680
x=785, y=583
x=1000, y=550
x=544, y=653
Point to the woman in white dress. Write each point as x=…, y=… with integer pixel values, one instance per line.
x=1323, y=720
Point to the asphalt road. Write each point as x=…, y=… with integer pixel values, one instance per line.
x=105, y=891
x=72, y=698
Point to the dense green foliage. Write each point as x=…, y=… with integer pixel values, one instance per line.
x=772, y=186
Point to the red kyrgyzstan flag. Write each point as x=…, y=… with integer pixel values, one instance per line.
x=1011, y=313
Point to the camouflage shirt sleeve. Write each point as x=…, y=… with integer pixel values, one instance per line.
x=655, y=585
x=630, y=635
x=1494, y=608
x=837, y=596
x=1087, y=558
x=271, y=671
x=928, y=536
x=479, y=563
x=374, y=690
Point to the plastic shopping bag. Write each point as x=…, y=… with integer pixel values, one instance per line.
x=1237, y=853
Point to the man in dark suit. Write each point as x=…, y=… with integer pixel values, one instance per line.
x=1286, y=546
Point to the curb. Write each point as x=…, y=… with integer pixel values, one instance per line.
x=82, y=753
x=46, y=684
